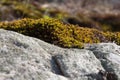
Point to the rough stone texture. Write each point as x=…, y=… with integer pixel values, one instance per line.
x=22, y=58
x=109, y=55
x=28, y=58
x=79, y=64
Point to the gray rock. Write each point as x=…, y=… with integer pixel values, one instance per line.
x=22, y=58
x=109, y=55
x=79, y=64
x=28, y=58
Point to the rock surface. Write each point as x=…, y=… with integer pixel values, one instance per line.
x=27, y=58
x=22, y=58
x=109, y=55
x=79, y=65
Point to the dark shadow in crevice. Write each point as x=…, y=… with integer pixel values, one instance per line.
x=56, y=67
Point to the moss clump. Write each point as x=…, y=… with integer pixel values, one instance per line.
x=114, y=37
x=58, y=33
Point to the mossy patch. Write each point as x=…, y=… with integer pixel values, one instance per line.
x=55, y=32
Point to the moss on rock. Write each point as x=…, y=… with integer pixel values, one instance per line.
x=55, y=32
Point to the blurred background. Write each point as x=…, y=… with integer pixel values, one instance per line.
x=103, y=15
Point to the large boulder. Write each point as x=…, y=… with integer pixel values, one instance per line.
x=28, y=58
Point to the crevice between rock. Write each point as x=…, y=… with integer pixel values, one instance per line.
x=56, y=67
x=109, y=73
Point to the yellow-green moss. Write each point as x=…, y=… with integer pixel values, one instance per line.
x=54, y=31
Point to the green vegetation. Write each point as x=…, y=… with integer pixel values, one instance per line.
x=17, y=9
x=58, y=33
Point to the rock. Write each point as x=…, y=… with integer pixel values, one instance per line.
x=79, y=64
x=109, y=55
x=22, y=58
x=108, y=75
x=28, y=58
x=50, y=76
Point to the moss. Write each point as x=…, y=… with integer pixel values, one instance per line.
x=55, y=32
x=17, y=9
x=115, y=37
